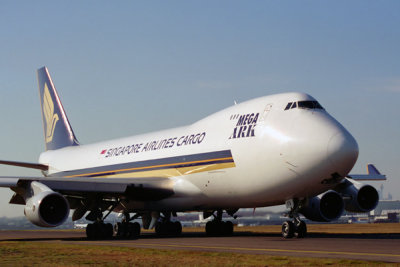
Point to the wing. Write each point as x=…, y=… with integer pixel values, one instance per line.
x=83, y=194
x=149, y=188
x=372, y=175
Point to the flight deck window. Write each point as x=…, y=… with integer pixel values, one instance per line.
x=309, y=105
x=304, y=105
x=318, y=105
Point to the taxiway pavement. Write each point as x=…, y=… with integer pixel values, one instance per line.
x=379, y=247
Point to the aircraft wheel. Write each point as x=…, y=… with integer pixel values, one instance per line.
x=177, y=228
x=101, y=230
x=163, y=228
x=211, y=228
x=301, y=230
x=133, y=230
x=98, y=230
x=108, y=230
x=288, y=229
x=136, y=229
x=121, y=229
x=130, y=230
x=90, y=231
x=227, y=228
x=159, y=228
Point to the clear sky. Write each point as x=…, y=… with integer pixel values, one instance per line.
x=129, y=67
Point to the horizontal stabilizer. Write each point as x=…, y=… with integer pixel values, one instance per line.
x=25, y=165
x=373, y=175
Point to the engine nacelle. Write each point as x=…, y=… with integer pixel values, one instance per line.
x=45, y=207
x=358, y=197
x=325, y=207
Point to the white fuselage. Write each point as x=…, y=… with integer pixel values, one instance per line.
x=277, y=155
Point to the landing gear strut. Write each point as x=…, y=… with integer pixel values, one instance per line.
x=165, y=227
x=217, y=227
x=296, y=227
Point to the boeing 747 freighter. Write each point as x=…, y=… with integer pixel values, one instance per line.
x=277, y=149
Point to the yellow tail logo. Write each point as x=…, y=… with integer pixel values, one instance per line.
x=49, y=116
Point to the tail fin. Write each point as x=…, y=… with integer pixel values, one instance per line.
x=373, y=175
x=371, y=169
x=57, y=130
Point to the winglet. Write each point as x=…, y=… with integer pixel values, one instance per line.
x=57, y=129
x=373, y=174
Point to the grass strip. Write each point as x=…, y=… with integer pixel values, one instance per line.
x=51, y=254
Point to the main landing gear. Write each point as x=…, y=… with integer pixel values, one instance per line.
x=124, y=229
x=99, y=230
x=166, y=227
x=217, y=227
x=296, y=227
x=127, y=229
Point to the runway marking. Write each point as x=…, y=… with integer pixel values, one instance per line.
x=253, y=249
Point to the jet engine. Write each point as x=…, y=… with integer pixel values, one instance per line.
x=358, y=197
x=44, y=207
x=325, y=207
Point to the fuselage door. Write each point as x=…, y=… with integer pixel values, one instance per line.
x=264, y=115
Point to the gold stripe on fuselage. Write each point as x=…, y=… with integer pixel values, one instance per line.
x=168, y=171
x=172, y=172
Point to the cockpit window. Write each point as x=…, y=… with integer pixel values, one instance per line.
x=310, y=105
x=304, y=105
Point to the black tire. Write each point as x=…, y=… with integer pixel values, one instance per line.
x=133, y=230
x=102, y=231
x=130, y=230
x=136, y=230
x=301, y=230
x=227, y=228
x=211, y=228
x=125, y=230
x=108, y=230
x=160, y=228
x=177, y=228
x=90, y=231
x=288, y=229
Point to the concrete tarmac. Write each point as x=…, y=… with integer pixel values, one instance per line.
x=375, y=247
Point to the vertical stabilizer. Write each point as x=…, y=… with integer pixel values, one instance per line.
x=57, y=130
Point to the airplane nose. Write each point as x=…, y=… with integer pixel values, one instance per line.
x=342, y=152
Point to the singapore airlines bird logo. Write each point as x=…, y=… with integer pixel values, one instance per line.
x=49, y=116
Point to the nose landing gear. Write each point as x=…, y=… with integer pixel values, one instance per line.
x=296, y=227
